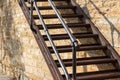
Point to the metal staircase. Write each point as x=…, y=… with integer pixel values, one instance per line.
x=110, y=55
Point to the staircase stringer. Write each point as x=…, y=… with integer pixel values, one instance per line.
x=41, y=43
x=95, y=30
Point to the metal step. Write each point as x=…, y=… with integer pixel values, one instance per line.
x=46, y=0
x=98, y=75
x=58, y=7
x=51, y=16
x=70, y=25
x=87, y=61
x=68, y=48
x=65, y=36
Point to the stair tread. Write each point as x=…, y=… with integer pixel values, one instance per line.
x=50, y=16
x=87, y=61
x=46, y=0
x=98, y=75
x=58, y=7
x=68, y=48
x=102, y=75
x=65, y=36
x=70, y=25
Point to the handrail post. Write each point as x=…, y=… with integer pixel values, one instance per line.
x=31, y=15
x=74, y=63
x=72, y=38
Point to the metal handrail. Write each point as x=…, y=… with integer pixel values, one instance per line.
x=33, y=3
x=72, y=38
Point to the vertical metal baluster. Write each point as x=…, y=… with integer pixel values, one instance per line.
x=74, y=60
x=31, y=15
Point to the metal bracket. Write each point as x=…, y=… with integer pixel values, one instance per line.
x=31, y=15
x=30, y=1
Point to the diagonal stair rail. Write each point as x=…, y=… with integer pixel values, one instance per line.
x=41, y=44
x=72, y=38
x=33, y=3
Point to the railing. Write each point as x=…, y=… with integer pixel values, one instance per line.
x=72, y=38
x=41, y=44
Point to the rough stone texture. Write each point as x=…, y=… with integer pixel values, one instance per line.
x=19, y=52
x=20, y=55
x=106, y=16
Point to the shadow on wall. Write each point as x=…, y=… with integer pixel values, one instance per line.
x=11, y=48
x=112, y=27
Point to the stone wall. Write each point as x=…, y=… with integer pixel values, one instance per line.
x=19, y=52
x=106, y=16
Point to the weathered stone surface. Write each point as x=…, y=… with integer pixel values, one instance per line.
x=106, y=16
x=20, y=53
